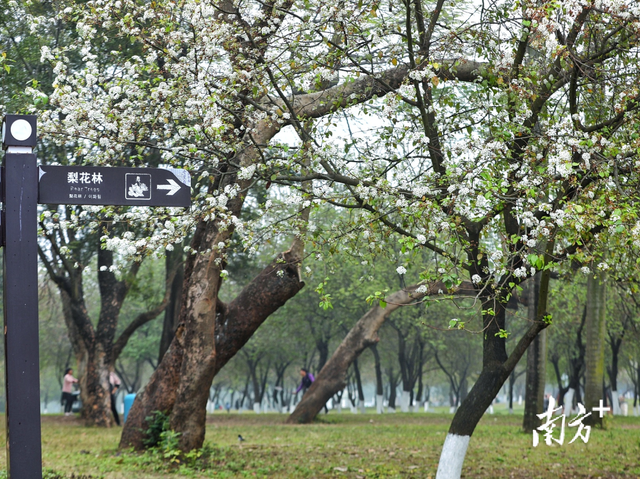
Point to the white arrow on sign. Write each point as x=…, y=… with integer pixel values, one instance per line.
x=173, y=187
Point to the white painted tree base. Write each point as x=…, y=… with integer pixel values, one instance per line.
x=624, y=409
x=404, y=401
x=256, y=407
x=568, y=402
x=452, y=457
x=426, y=406
x=380, y=404
x=391, y=410
x=615, y=398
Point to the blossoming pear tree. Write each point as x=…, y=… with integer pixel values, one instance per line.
x=499, y=137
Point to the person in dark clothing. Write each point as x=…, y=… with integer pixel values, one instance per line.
x=305, y=383
x=114, y=385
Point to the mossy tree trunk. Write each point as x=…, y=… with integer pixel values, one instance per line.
x=536, y=364
x=595, y=327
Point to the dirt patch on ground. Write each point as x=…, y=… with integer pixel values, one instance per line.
x=61, y=419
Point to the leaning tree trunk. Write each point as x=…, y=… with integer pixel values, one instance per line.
x=333, y=377
x=595, y=326
x=496, y=368
x=235, y=324
x=536, y=365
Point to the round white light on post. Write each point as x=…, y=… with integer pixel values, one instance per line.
x=21, y=130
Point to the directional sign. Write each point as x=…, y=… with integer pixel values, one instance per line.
x=90, y=185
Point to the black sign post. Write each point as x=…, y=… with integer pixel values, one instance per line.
x=22, y=368
x=24, y=185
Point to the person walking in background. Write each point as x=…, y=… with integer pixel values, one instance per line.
x=114, y=385
x=67, y=396
x=305, y=383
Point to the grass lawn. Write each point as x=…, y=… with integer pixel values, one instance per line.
x=346, y=446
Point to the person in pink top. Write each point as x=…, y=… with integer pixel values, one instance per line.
x=67, y=397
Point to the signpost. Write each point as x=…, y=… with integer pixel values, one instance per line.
x=24, y=185
x=90, y=185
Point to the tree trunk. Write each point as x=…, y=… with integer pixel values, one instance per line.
x=404, y=370
x=379, y=383
x=95, y=346
x=512, y=382
x=596, y=330
x=393, y=387
x=235, y=324
x=93, y=367
x=562, y=390
x=332, y=378
x=536, y=365
x=496, y=368
x=173, y=262
x=615, y=342
x=356, y=370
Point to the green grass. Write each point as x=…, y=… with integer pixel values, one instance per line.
x=346, y=446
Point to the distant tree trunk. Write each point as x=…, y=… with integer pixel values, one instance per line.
x=536, y=365
x=404, y=369
x=174, y=262
x=420, y=387
x=512, y=382
x=577, y=366
x=356, y=370
x=235, y=324
x=278, y=390
x=323, y=353
x=596, y=330
x=379, y=383
x=393, y=387
x=615, y=342
x=378, y=370
x=562, y=390
x=332, y=378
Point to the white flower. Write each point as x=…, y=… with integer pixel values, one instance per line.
x=603, y=266
x=520, y=272
x=246, y=173
x=421, y=289
x=401, y=270
x=476, y=278
x=421, y=239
